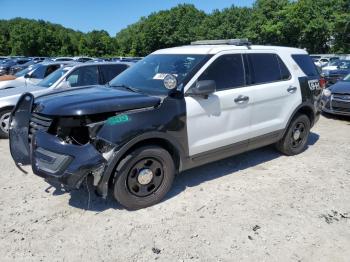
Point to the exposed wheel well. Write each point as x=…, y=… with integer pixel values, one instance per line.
x=308, y=112
x=163, y=143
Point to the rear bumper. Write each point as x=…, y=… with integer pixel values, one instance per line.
x=63, y=163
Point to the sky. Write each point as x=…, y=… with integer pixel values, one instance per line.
x=109, y=15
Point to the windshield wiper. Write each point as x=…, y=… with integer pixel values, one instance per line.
x=129, y=88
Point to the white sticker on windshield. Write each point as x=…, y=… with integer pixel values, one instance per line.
x=161, y=76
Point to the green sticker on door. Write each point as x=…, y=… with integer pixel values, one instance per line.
x=119, y=119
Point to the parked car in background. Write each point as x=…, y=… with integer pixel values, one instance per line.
x=68, y=76
x=82, y=59
x=336, y=98
x=8, y=63
x=31, y=75
x=16, y=68
x=337, y=72
x=62, y=59
x=322, y=62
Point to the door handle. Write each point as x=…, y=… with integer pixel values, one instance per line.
x=241, y=99
x=291, y=89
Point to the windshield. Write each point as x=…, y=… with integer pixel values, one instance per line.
x=53, y=77
x=147, y=75
x=26, y=70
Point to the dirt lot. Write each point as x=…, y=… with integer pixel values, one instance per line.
x=259, y=206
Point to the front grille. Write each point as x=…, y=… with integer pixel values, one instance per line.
x=38, y=122
x=342, y=97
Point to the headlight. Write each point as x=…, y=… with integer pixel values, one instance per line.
x=327, y=92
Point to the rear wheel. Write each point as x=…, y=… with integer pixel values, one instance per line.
x=295, y=139
x=144, y=177
x=5, y=123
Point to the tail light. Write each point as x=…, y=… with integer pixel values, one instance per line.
x=322, y=82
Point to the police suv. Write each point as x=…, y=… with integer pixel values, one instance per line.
x=176, y=109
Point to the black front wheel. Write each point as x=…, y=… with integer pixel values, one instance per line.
x=144, y=177
x=295, y=139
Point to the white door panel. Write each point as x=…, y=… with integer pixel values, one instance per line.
x=217, y=121
x=273, y=105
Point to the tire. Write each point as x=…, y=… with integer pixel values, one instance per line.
x=4, y=123
x=293, y=141
x=144, y=177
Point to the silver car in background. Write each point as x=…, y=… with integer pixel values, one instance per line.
x=69, y=76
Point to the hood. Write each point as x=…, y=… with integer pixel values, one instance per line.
x=92, y=100
x=18, y=90
x=9, y=84
x=339, y=72
x=326, y=68
x=341, y=87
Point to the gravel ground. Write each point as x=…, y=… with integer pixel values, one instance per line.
x=258, y=206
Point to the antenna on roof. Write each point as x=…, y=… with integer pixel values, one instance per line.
x=236, y=42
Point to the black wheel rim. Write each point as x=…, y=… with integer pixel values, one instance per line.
x=299, y=135
x=145, y=177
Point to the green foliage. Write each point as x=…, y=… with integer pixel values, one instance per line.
x=317, y=25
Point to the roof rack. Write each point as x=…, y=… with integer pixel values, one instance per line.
x=237, y=42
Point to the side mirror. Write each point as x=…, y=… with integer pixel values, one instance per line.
x=203, y=88
x=64, y=84
x=27, y=76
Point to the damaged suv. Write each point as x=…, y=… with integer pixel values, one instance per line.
x=176, y=109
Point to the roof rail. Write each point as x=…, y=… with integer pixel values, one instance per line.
x=237, y=42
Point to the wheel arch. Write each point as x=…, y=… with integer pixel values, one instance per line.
x=154, y=138
x=306, y=109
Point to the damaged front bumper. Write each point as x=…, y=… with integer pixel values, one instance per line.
x=63, y=163
x=57, y=162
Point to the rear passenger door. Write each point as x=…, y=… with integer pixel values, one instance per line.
x=108, y=72
x=275, y=93
x=221, y=121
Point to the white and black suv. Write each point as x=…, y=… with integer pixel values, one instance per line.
x=176, y=109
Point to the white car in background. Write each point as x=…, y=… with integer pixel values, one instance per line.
x=322, y=62
x=30, y=76
x=69, y=76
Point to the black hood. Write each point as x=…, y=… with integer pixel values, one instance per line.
x=91, y=100
x=341, y=87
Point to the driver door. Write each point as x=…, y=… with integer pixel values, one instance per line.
x=222, y=120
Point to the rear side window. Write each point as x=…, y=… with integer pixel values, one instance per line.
x=111, y=71
x=227, y=72
x=50, y=69
x=83, y=76
x=306, y=64
x=267, y=68
x=39, y=72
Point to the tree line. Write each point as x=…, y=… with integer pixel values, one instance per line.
x=320, y=26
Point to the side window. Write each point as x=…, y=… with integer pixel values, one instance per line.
x=306, y=64
x=227, y=71
x=285, y=74
x=50, y=69
x=84, y=76
x=110, y=71
x=39, y=72
x=265, y=68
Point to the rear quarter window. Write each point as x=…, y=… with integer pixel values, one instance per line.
x=306, y=64
x=266, y=68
